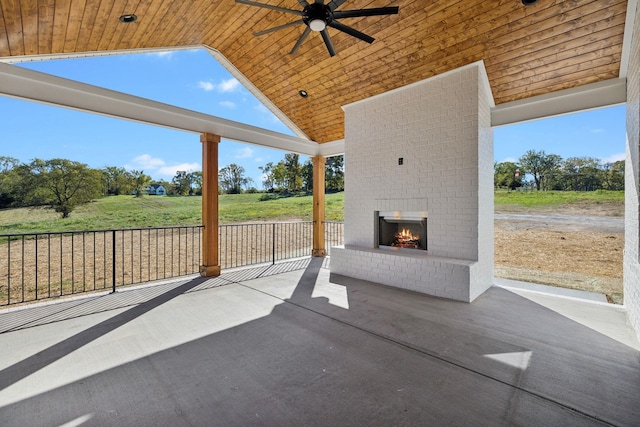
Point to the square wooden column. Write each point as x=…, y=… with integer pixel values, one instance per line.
x=210, y=256
x=318, y=206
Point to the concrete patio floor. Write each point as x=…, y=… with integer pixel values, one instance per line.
x=292, y=344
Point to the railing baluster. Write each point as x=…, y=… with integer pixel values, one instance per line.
x=239, y=244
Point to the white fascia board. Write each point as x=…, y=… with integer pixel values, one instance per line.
x=627, y=40
x=330, y=149
x=35, y=86
x=582, y=98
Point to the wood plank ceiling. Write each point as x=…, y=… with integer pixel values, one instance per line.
x=551, y=45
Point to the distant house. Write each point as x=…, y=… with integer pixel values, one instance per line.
x=156, y=190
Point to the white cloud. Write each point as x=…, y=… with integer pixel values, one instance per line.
x=207, y=86
x=167, y=54
x=156, y=166
x=145, y=162
x=170, y=170
x=614, y=158
x=228, y=85
x=228, y=104
x=244, y=153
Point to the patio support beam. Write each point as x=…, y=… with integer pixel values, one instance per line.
x=210, y=256
x=318, y=206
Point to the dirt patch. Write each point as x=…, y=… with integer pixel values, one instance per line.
x=558, y=250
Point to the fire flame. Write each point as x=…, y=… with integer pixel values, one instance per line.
x=406, y=235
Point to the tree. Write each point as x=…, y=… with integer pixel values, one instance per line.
x=507, y=174
x=334, y=173
x=7, y=166
x=293, y=172
x=60, y=184
x=582, y=174
x=182, y=183
x=307, y=175
x=117, y=180
x=267, y=176
x=196, y=183
x=140, y=182
x=232, y=180
x=541, y=166
x=613, y=175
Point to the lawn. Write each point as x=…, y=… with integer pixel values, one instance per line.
x=552, y=199
x=153, y=211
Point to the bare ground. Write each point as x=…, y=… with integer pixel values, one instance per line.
x=577, y=247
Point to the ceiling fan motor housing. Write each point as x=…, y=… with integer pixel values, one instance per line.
x=315, y=11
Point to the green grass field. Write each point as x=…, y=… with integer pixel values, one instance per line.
x=551, y=199
x=130, y=212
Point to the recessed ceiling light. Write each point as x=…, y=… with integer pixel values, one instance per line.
x=128, y=18
x=528, y=2
x=303, y=93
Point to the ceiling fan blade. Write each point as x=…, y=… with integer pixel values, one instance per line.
x=334, y=4
x=351, y=31
x=300, y=40
x=279, y=27
x=319, y=1
x=268, y=6
x=303, y=3
x=327, y=42
x=376, y=11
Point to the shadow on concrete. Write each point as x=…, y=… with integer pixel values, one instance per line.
x=392, y=358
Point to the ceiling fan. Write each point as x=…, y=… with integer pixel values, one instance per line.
x=317, y=16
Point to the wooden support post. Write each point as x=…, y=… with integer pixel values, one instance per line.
x=210, y=256
x=318, y=206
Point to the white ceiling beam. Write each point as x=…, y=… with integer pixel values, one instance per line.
x=44, y=88
x=582, y=98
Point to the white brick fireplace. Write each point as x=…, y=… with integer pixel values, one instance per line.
x=426, y=148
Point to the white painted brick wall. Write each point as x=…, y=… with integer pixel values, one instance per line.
x=632, y=185
x=441, y=129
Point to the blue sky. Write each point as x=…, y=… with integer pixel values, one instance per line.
x=193, y=79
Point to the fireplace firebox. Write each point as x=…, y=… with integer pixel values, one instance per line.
x=401, y=230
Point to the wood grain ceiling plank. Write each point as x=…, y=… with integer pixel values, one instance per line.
x=187, y=15
x=29, y=9
x=305, y=61
x=74, y=23
x=579, y=79
x=539, y=78
x=60, y=19
x=596, y=42
x=408, y=36
x=497, y=61
x=163, y=23
x=88, y=22
x=112, y=24
x=4, y=41
x=149, y=12
x=519, y=39
x=443, y=54
x=46, y=13
x=204, y=15
x=230, y=25
x=122, y=30
x=100, y=23
x=13, y=26
x=131, y=36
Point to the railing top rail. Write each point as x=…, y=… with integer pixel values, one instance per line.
x=69, y=232
x=98, y=231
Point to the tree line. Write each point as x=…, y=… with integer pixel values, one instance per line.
x=552, y=172
x=62, y=184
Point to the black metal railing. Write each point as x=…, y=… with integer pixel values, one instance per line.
x=333, y=235
x=47, y=265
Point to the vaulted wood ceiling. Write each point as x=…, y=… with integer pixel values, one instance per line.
x=551, y=45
